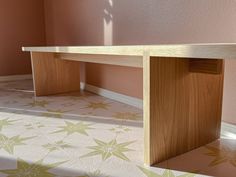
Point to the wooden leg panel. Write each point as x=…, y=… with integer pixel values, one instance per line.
x=182, y=109
x=52, y=75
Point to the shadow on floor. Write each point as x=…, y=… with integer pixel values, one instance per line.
x=19, y=99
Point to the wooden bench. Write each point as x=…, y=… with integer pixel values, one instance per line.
x=182, y=88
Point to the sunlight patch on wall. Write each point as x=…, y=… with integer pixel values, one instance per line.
x=108, y=23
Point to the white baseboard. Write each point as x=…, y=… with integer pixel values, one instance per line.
x=15, y=77
x=113, y=95
x=103, y=92
x=228, y=130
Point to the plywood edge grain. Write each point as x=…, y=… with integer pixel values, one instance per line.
x=146, y=107
x=208, y=51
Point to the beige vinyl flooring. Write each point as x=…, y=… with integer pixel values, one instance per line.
x=86, y=135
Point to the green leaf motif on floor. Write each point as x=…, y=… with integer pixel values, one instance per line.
x=127, y=116
x=166, y=173
x=222, y=155
x=34, y=126
x=37, y=169
x=54, y=113
x=98, y=105
x=36, y=103
x=108, y=149
x=6, y=122
x=78, y=96
x=120, y=129
x=96, y=173
x=59, y=145
x=71, y=128
x=8, y=144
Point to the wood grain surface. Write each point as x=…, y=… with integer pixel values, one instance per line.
x=182, y=110
x=53, y=76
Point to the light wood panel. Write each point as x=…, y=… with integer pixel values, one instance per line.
x=182, y=110
x=208, y=51
x=52, y=76
x=130, y=61
x=147, y=107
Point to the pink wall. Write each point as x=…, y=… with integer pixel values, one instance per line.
x=21, y=23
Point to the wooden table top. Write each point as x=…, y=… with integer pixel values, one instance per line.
x=210, y=51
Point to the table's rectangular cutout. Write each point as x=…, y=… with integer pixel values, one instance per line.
x=210, y=66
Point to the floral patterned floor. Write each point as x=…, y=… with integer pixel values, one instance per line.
x=86, y=135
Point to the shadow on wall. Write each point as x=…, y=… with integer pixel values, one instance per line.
x=72, y=22
x=89, y=22
x=108, y=23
